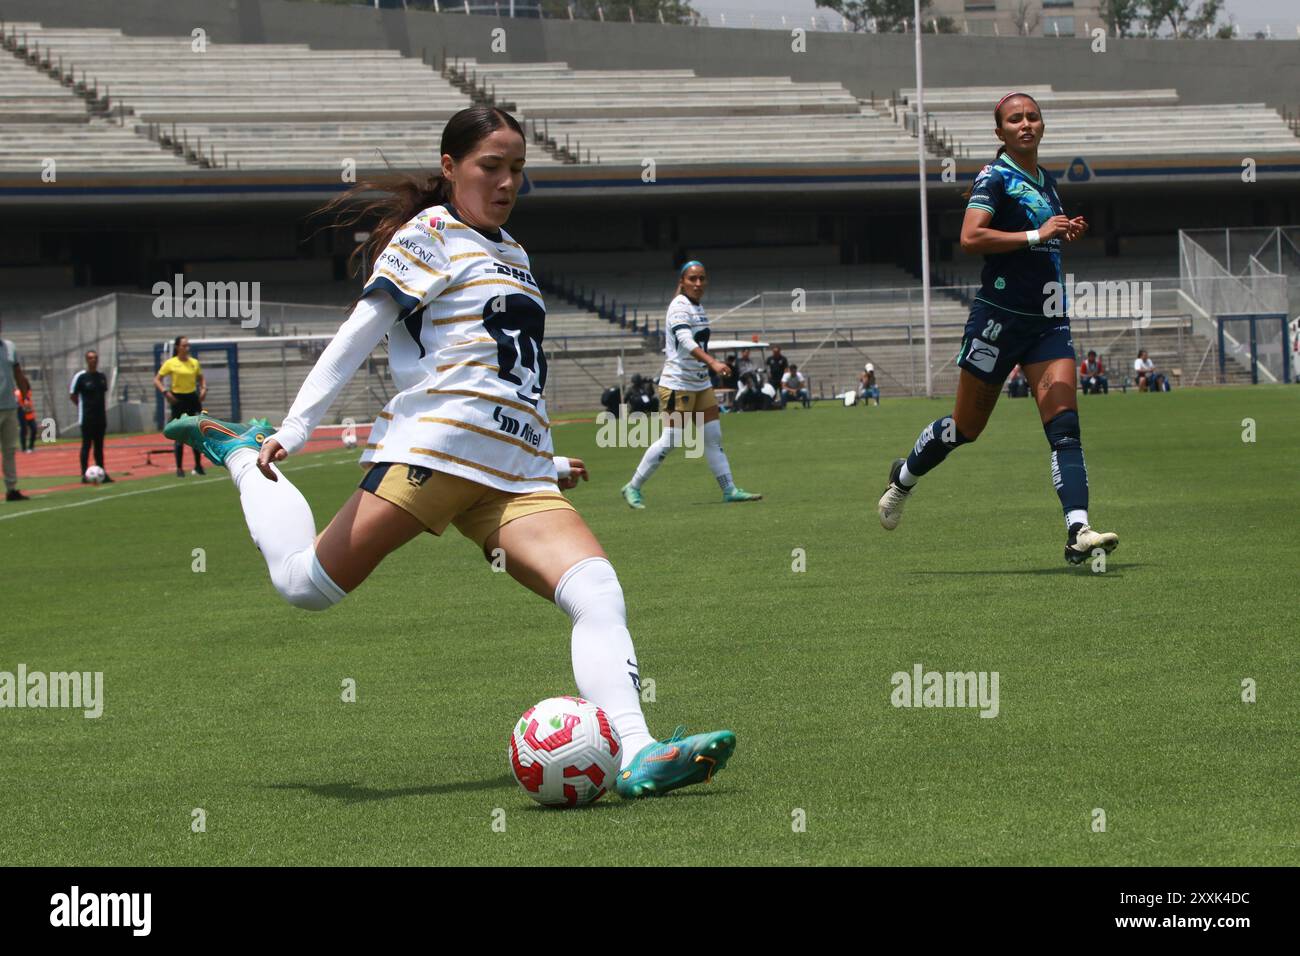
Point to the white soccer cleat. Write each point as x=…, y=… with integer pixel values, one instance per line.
x=1083, y=541
x=890, y=505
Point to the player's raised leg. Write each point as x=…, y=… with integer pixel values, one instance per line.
x=1052, y=385
x=976, y=400
x=555, y=554
x=306, y=574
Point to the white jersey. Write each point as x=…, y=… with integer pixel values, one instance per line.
x=467, y=356
x=685, y=327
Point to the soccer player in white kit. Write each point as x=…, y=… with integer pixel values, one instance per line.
x=466, y=441
x=685, y=389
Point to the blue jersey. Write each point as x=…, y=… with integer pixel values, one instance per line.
x=1018, y=281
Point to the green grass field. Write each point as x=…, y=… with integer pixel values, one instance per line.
x=1120, y=691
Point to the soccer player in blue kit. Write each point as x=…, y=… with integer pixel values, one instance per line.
x=1015, y=220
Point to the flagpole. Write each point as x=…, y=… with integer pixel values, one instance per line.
x=925, y=219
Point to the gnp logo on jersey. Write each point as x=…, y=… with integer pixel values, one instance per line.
x=982, y=355
x=133, y=910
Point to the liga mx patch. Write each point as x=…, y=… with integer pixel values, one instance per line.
x=982, y=355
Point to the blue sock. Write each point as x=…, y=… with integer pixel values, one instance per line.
x=936, y=440
x=1069, y=473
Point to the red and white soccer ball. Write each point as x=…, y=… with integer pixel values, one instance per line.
x=564, y=752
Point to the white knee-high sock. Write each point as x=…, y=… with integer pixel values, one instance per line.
x=713, y=452
x=280, y=521
x=654, y=455
x=604, y=662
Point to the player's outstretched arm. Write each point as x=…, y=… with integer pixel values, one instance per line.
x=355, y=340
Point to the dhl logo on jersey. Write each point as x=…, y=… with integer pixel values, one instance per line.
x=511, y=272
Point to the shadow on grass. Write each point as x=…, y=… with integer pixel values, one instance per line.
x=606, y=801
x=1065, y=569
x=356, y=793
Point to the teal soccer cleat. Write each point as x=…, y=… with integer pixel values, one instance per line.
x=215, y=438
x=632, y=496
x=678, y=762
x=738, y=494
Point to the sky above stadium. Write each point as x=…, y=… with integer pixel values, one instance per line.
x=1249, y=14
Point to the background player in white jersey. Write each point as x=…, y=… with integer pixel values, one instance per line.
x=466, y=440
x=685, y=389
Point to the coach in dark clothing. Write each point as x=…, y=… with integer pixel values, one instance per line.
x=777, y=365
x=89, y=392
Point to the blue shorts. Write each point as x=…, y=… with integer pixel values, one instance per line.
x=996, y=341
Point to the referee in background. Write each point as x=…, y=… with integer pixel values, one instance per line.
x=185, y=395
x=89, y=392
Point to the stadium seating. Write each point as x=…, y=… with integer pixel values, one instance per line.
x=27, y=95
x=1111, y=123
x=264, y=106
x=43, y=120
x=554, y=91
x=626, y=116
x=287, y=106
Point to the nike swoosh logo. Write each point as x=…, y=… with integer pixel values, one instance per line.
x=670, y=754
x=205, y=427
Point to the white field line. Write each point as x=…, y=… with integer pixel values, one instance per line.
x=142, y=491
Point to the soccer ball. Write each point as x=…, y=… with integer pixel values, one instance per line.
x=564, y=752
x=349, y=440
x=95, y=474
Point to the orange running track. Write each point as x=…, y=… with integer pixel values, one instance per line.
x=132, y=457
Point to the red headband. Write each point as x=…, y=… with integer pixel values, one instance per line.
x=1007, y=97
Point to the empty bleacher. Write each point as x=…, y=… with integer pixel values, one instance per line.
x=287, y=106
x=1110, y=123
x=552, y=91
x=43, y=121
x=266, y=106
x=675, y=116
x=29, y=96
x=841, y=137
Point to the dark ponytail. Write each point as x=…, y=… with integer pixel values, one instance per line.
x=176, y=345
x=404, y=195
